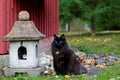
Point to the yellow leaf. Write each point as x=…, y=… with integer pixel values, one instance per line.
x=54, y=73
x=67, y=76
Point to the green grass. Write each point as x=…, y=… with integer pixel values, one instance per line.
x=101, y=43
x=111, y=73
x=41, y=77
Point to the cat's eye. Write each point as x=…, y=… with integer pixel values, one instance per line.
x=55, y=41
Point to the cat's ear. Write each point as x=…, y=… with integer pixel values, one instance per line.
x=54, y=35
x=63, y=36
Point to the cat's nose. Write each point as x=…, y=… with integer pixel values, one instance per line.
x=57, y=50
x=58, y=44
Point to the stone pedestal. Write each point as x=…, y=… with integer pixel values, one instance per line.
x=31, y=72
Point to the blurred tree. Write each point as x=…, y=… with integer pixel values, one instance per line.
x=65, y=15
x=105, y=14
x=109, y=17
x=90, y=12
x=69, y=10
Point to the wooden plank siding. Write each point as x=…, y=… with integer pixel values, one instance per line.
x=44, y=13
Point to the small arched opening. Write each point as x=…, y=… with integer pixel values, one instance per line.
x=22, y=53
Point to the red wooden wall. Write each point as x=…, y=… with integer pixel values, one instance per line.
x=44, y=13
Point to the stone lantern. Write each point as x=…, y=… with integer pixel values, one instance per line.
x=24, y=39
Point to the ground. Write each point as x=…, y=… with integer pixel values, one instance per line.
x=106, y=43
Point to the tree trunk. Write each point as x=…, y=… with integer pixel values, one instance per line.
x=68, y=27
x=93, y=25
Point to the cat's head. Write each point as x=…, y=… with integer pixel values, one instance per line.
x=59, y=41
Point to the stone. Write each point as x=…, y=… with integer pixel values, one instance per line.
x=89, y=56
x=113, y=57
x=31, y=62
x=93, y=71
x=101, y=55
x=83, y=69
x=4, y=61
x=46, y=46
x=31, y=72
x=88, y=66
x=93, y=61
x=23, y=30
x=101, y=66
x=23, y=16
x=96, y=56
x=24, y=38
x=81, y=55
x=47, y=72
x=100, y=61
x=46, y=61
x=109, y=63
x=88, y=61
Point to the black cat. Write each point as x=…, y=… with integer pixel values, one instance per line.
x=64, y=59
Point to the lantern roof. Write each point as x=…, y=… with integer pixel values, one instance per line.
x=23, y=30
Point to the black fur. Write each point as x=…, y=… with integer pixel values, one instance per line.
x=65, y=60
